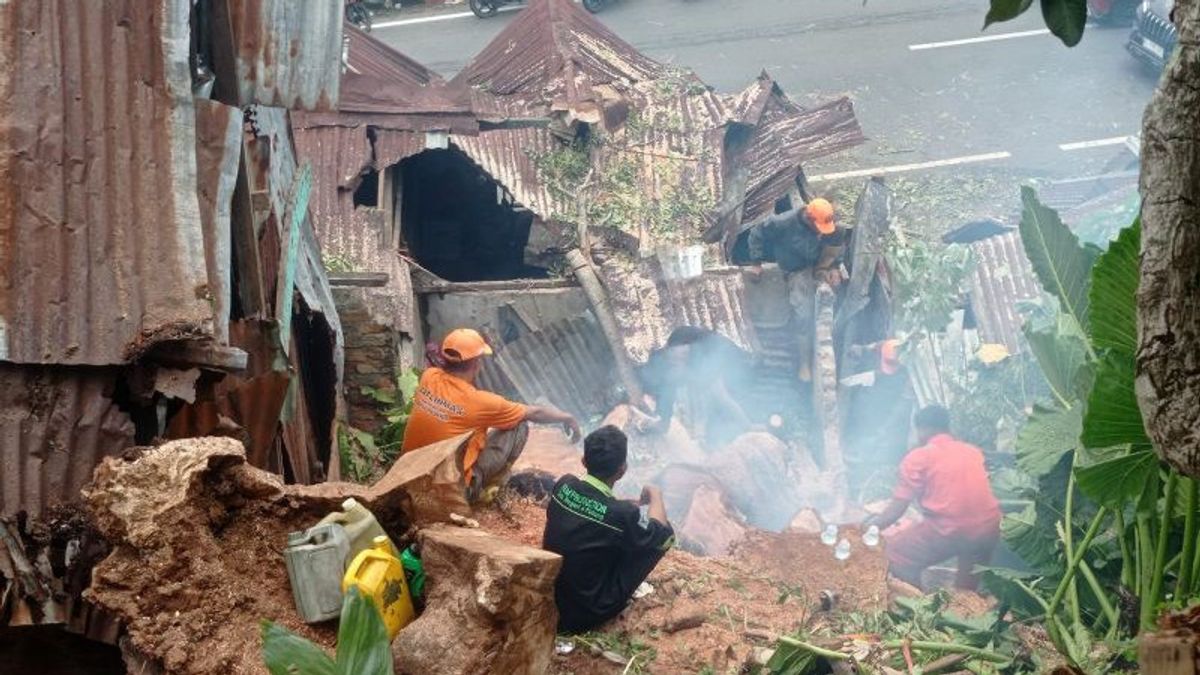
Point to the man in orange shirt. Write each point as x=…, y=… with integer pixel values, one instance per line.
x=950, y=483
x=448, y=404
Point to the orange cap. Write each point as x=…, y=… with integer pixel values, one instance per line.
x=889, y=361
x=820, y=213
x=464, y=344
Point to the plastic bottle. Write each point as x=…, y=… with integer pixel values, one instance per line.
x=829, y=534
x=842, y=550
x=379, y=575
x=871, y=536
x=360, y=525
x=316, y=559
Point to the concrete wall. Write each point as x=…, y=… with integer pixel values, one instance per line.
x=375, y=351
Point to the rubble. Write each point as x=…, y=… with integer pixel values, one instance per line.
x=489, y=606
x=197, y=536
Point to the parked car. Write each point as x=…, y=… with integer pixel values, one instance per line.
x=1154, y=35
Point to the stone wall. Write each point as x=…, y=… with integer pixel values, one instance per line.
x=373, y=355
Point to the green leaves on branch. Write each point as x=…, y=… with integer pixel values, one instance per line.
x=1062, y=264
x=363, y=647
x=1064, y=18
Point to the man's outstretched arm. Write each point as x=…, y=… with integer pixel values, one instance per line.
x=548, y=414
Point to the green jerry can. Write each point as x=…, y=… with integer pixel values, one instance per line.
x=316, y=560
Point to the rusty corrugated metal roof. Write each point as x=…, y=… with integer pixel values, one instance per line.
x=56, y=424
x=510, y=157
x=103, y=252
x=555, y=50
x=379, y=79
x=1002, y=278
x=284, y=53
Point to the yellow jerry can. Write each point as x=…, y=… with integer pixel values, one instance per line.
x=379, y=575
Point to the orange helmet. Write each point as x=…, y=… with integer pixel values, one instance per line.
x=820, y=214
x=464, y=344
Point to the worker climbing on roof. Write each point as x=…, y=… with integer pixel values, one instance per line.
x=717, y=374
x=447, y=404
x=948, y=479
x=807, y=245
x=608, y=549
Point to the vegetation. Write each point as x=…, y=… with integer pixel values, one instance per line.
x=363, y=647
x=366, y=457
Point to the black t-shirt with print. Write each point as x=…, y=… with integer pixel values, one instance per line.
x=607, y=551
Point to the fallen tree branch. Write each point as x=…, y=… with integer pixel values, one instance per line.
x=819, y=651
x=947, y=647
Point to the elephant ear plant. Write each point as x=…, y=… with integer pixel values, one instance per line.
x=363, y=647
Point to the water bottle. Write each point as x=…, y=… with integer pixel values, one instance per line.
x=829, y=534
x=871, y=536
x=842, y=550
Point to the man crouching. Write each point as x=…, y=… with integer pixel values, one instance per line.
x=607, y=549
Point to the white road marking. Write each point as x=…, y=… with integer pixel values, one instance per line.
x=901, y=168
x=977, y=40
x=438, y=17
x=1098, y=143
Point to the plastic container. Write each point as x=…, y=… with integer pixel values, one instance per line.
x=316, y=559
x=379, y=575
x=360, y=525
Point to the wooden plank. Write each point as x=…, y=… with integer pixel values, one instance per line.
x=250, y=288
x=297, y=211
x=428, y=286
x=200, y=354
x=359, y=279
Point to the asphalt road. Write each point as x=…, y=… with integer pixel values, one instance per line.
x=1014, y=101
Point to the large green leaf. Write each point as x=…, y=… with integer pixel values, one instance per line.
x=1005, y=10
x=1113, y=417
x=1116, y=482
x=1113, y=295
x=791, y=660
x=1048, y=435
x=1066, y=19
x=1030, y=534
x=1062, y=264
x=363, y=646
x=1061, y=349
x=286, y=653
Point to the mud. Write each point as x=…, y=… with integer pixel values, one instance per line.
x=769, y=586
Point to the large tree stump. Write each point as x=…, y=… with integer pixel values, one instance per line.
x=489, y=607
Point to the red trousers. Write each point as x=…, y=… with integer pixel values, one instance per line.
x=921, y=545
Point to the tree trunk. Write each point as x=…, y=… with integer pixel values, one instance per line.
x=1168, y=359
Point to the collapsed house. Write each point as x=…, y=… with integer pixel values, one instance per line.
x=559, y=156
x=159, y=275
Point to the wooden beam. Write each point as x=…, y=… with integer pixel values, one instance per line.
x=422, y=286
x=359, y=279
x=190, y=354
x=250, y=289
x=598, y=299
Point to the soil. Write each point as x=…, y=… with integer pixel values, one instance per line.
x=771, y=585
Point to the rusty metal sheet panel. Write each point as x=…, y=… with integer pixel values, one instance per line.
x=555, y=45
x=1001, y=280
x=103, y=251
x=286, y=54
x=567, y=363
x=218, y=149
x=56, y=424
x=787, y=137
x=509, y=157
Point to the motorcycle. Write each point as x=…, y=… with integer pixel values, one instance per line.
x=487, y=8
x=358, y=14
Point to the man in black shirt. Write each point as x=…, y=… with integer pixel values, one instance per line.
x=607, y=550
x=808, y=246
x=716, y=372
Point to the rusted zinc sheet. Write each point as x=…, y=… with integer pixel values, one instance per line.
x=1002, y=278
x=56, y=424
x=785, y=138
x=218, y=149
x=567, y=363
x=104, y=251
x=379, y=79
x=648, y=307
x=510, y=156
x=554, y=52
x=276, y=52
